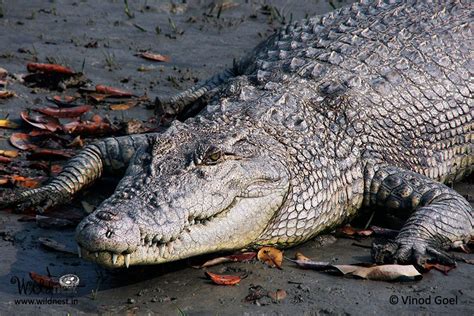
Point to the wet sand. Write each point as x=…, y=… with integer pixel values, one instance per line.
x=60, y=31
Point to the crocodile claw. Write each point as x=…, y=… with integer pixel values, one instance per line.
x=22, y=200
x=416, y=252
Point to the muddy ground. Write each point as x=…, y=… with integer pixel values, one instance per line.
x=101, y=38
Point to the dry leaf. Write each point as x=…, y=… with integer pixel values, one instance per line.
x=279, y=295
x=5, y=160
x=49, y=68
x=44, y=280
x=71, y=112
x=52, y=222
x=120, y=107
x=299, y=256
x=22, y=141
x=112, y=91
x=155, y=57
x=348, y=230
x=25, y=182
x=442, y=268
x=8, y=124
x=64, y=99
x=241, y=257
x=223, y=279
x=95, y=127
x=9, y=153
x=5, y=94
x=388, y=272
x=271, y=256
x=54, y=245
x=41, y=121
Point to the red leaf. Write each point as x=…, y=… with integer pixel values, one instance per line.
x=44, y=280
x=22, y=141
x=72, y=112
x=40, y=121
x=223, y=279
x=49, y=68
x=95, y=127
x=439, y=267
x=112, y=91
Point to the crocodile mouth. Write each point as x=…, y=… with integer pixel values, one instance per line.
x=221, y=231
x=152, y=245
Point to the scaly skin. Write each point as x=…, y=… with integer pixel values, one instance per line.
x=368, y=106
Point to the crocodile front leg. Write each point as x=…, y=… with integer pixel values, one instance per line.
x=441, y=217
x=82, y=170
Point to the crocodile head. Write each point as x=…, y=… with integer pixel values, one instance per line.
x=198, y=189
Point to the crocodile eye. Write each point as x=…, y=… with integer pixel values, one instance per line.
x=213, y=156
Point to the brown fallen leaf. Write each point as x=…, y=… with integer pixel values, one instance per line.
x=55, y=245
x=52, y=222
x=279, y=295
x=241, y=257
x=270, y=256
x=5, y=94
x=9, y=153
x=120, y=107
x=25, y=182
x=112, y=91
x=97, y=126
x=22, y=141
x=77, y=142
x=256, y=292
x=55, y=169
x=71, y=112
x=442, y=268
x=64, y=99
x=5, y=160
x=41, y=121
x=299, y=256
x=348, y=230
x=49, y=68
x=223, y=279
x=388, y=272
x=8, y=124
x=44, y=281
x=97, y=97
x=155, y=57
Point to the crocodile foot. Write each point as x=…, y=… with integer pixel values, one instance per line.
x=416, y=252
x=39, y=199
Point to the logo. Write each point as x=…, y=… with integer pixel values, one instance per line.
x=69, y=281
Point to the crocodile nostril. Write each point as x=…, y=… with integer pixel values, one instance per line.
x=108, y=234
x=107, y=216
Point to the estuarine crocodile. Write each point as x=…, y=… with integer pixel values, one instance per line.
x=369, y=106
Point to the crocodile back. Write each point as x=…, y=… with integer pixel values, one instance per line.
x=403, y=70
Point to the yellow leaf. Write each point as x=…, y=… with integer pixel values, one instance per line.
x=8, y=124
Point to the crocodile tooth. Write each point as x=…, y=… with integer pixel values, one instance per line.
x=161, y=249
x=79, y=251
x=96, y=254
x=127, y=260
x=114, y=258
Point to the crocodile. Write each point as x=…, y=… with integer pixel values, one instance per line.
x=368, y=107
